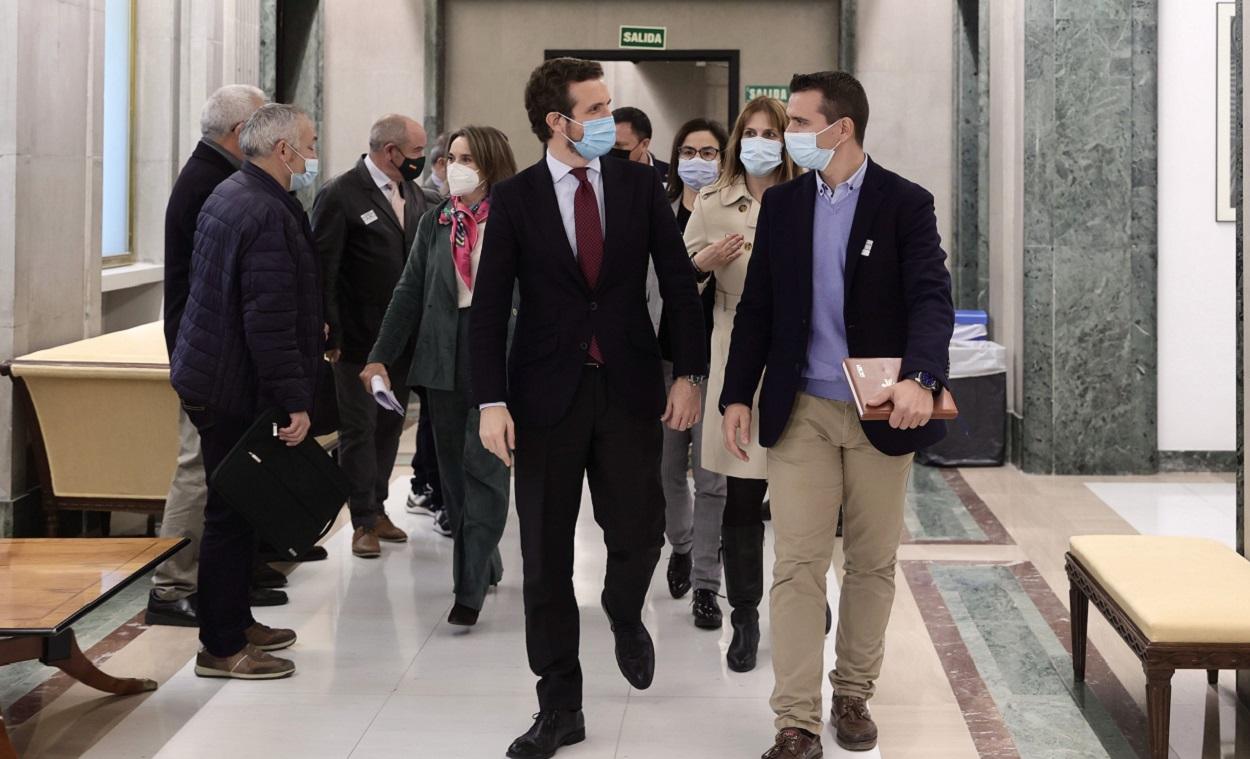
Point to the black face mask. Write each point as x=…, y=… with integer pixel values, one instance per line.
x=410, y=168
x=620, y=153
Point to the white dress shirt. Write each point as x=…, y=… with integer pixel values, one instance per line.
x=383, y=182
x=566, y=189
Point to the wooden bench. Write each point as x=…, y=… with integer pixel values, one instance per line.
x=1179, y=603
x=46, y=585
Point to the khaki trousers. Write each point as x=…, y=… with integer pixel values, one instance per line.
x=176, y=577
x=824, y=460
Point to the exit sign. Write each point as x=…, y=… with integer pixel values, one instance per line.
x=645, y=37
x=779, y=91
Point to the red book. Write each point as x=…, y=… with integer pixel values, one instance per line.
x=869, y=376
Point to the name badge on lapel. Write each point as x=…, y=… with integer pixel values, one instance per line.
x=368, y=217
x=867, y=251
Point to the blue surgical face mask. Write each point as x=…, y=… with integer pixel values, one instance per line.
x=305, y=178
x=697, y=173
x=598, y=137
x=760, y=155
x=803, y=149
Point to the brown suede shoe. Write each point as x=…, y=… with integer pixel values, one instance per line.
x=249, y=664
x=386, y=530
x=793, y=743
x=853, y=725
x=269, y=638
x=365, y=544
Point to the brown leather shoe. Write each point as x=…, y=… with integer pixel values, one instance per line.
x=853, y=725
x=386, y=530
x=249, y=664
x=269, y=638
x=365, y=544
x=793, y=743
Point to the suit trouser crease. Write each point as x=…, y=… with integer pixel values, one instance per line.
x=692, y=525
x=619, y=455
x=227, y=549
x=175, y=578
x=475, y=485
x=368, y=443
x=824, y=460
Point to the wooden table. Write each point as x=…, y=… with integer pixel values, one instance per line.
x=48, y=584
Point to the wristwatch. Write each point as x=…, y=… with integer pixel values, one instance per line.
x=925, y=380
x=695, y=379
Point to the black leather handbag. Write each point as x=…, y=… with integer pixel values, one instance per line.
x=290, y=495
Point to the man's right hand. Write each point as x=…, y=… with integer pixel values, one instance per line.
x=371, y=371
x=498, y=433
x=295, y=432
x=736, y=427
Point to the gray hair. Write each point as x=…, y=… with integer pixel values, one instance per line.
x=271, y=124
x=390, y=129
x=227, y=107
x=439, y=148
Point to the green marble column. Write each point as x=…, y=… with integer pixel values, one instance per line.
x=1090, y=251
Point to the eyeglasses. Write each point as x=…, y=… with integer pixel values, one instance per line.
x=707, y=154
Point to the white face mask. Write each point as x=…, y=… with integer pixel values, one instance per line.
x=461, y=180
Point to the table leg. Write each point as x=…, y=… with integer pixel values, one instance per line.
x=63, y=653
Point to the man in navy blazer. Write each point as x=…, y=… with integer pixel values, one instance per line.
x=847, y=261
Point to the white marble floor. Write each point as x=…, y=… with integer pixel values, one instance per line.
x=1191, y=509
x=381, y=674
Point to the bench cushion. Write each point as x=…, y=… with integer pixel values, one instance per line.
x=1177, y=590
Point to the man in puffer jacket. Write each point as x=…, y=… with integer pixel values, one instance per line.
x=250, y=339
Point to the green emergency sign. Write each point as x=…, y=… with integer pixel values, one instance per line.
x=779, y=91
x=644, y=37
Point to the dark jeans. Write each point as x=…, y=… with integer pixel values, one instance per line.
x=425, y=459
x=620, y=455
x=368, y=443
x=228, y=547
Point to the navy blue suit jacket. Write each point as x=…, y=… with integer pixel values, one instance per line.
x=898, y=300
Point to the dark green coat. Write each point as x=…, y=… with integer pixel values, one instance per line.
x=426, y=302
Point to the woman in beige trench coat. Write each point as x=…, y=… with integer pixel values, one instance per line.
x=719, y=238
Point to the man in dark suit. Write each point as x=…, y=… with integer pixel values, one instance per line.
x=847, y=262
x=633, y=140
x=364, y=221
x=575, y=232
x=216, y=156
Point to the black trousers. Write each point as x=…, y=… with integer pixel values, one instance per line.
x=620, y=455
x=368, y=442
x=425, y=459
x=228, y=547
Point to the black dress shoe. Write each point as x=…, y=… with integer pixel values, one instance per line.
x=267, y=597
x=179, y=613
x=551, y=731
x=679, y=565
x=316, y=553
x=635, y=653
x=265, y=576
x=463, y=616
x=706, y=610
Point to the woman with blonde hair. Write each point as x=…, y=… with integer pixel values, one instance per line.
x=432, y=301
x=719, y=238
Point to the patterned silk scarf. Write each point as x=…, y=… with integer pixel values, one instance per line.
x=464, y=222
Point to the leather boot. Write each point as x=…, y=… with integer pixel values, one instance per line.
x=744, y=586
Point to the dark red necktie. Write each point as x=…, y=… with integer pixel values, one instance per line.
x=589, y=233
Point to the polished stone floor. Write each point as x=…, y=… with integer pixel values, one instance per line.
x=977, y=664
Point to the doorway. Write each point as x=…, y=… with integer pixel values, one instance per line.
x=670, y=86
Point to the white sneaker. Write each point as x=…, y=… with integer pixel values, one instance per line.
x=441, y=525
x=419, y=503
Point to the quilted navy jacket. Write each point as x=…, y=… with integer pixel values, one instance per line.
x=251, y=336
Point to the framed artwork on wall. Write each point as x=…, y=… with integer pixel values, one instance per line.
x=1225, y=14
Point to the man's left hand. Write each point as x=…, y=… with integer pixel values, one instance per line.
x=913, y=405
x=685, y=406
